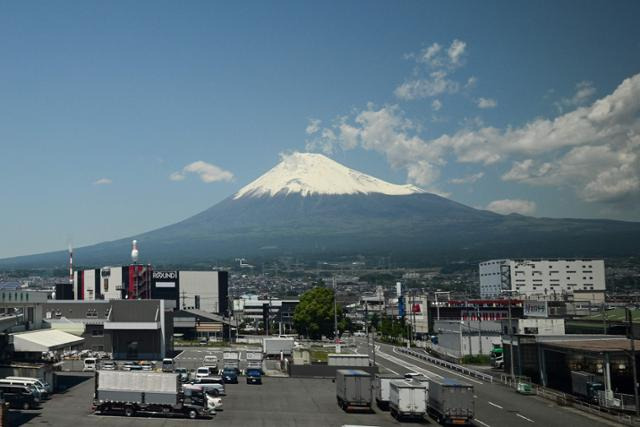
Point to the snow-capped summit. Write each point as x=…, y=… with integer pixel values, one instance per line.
x=314, y=174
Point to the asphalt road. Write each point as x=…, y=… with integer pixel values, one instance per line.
x=277, y=402
x=496, y=405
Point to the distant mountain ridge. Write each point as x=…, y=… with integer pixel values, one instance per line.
x=314, y=207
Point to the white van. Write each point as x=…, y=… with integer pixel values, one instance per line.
x=167, y=365
x=210, y=360
x=35, y=390
x=43, y=386
x=90, y=364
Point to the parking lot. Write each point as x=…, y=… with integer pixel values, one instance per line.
x=277, y=402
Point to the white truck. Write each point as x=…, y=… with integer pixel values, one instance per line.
x=277, y=346
x=231, y=359
x=254, y=359
x=149, y=393
x=407, y=399
x=450, y=401
x=381, y=387
x=353, y=389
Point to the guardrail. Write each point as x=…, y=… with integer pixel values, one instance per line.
x=564, y=399
x=445, y=364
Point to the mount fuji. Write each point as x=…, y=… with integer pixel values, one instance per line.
x=309, y=206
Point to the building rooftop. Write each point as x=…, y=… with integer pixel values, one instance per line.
x=608, y=345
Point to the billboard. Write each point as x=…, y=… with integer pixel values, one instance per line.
x=534, y=308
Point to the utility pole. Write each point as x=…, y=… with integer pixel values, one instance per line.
x=479, y=329
x=513, y=377
x=630, y=334
x=335, y=311
x=604, y=319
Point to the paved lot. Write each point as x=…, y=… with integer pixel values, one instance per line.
x=277, y=402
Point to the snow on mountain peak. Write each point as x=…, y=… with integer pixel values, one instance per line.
x=313, y=174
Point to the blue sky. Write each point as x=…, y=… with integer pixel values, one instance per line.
x=528, y=107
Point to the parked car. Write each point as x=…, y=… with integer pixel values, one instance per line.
x=205, y=371
x=146, y=365
x=183, y=374
x=254, y=376
x=90, y=364
x=230, y=375
x=108, y=365
x=167, y=365
x=204, y=341
x=37, y=394
x=18, y=396
x=43, y=388
x=211, y=385
x=210, y=360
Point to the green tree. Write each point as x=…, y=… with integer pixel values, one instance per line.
x=314, y=314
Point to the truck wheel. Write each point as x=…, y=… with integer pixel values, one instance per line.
x=129, y=411
x=193, y=414
x=26, y=406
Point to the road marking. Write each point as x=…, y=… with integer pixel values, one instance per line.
x=484, y=424
x=524, y=418
x=444, y=369
x=408, y=365
x=496, y=405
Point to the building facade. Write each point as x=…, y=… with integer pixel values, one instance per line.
x=200, y=290
x=545, y=279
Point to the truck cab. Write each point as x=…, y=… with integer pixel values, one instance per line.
x=497, y=356
x=254, y=376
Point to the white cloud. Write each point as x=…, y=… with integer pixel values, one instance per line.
x=177, y=176
x=471, y=82
x=436, y=84
x=313, y=126
x=456, y=51
x=584, y=91
x=102, y=181
x=486, y=103
x=432, y=77
x=436, y=105
x=206, y=171
x=469, y=179
x=509, y=206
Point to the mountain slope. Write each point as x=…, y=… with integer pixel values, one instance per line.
x=313, y=208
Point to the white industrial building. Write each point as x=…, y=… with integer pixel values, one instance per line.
x=544, y=279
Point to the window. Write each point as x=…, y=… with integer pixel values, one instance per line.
x=531, y=331
x=97, y=332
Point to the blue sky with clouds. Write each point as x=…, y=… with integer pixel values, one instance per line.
x=120, y=117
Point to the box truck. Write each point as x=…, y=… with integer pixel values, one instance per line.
x=450, y=401
x=276, y=346
x=254, y=359
x=407, y=399
x=231, y=360
x=353, y=389
x=381, y=388
x=132, y=392
x=586, y=385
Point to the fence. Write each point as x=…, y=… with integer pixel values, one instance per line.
x=564, y=399
x=448, y=365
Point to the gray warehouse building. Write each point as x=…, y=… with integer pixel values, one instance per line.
x=129, y=329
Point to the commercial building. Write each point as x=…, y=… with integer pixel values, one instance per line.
x=578, y=279
x=254, y=311
x=129, y=329
x=200, y=290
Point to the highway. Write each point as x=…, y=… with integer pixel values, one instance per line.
x=496, y=405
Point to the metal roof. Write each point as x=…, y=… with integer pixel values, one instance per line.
x=613, y=345
x=44, y=340
x=9, y=286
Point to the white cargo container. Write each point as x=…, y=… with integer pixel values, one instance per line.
x=346, y=359
x=254, y=359
x=353, y=388
x=407, y=399
x=277, y=346
x=231, y=359
x=450, y=401
x=132, y=392
x=381, y=387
